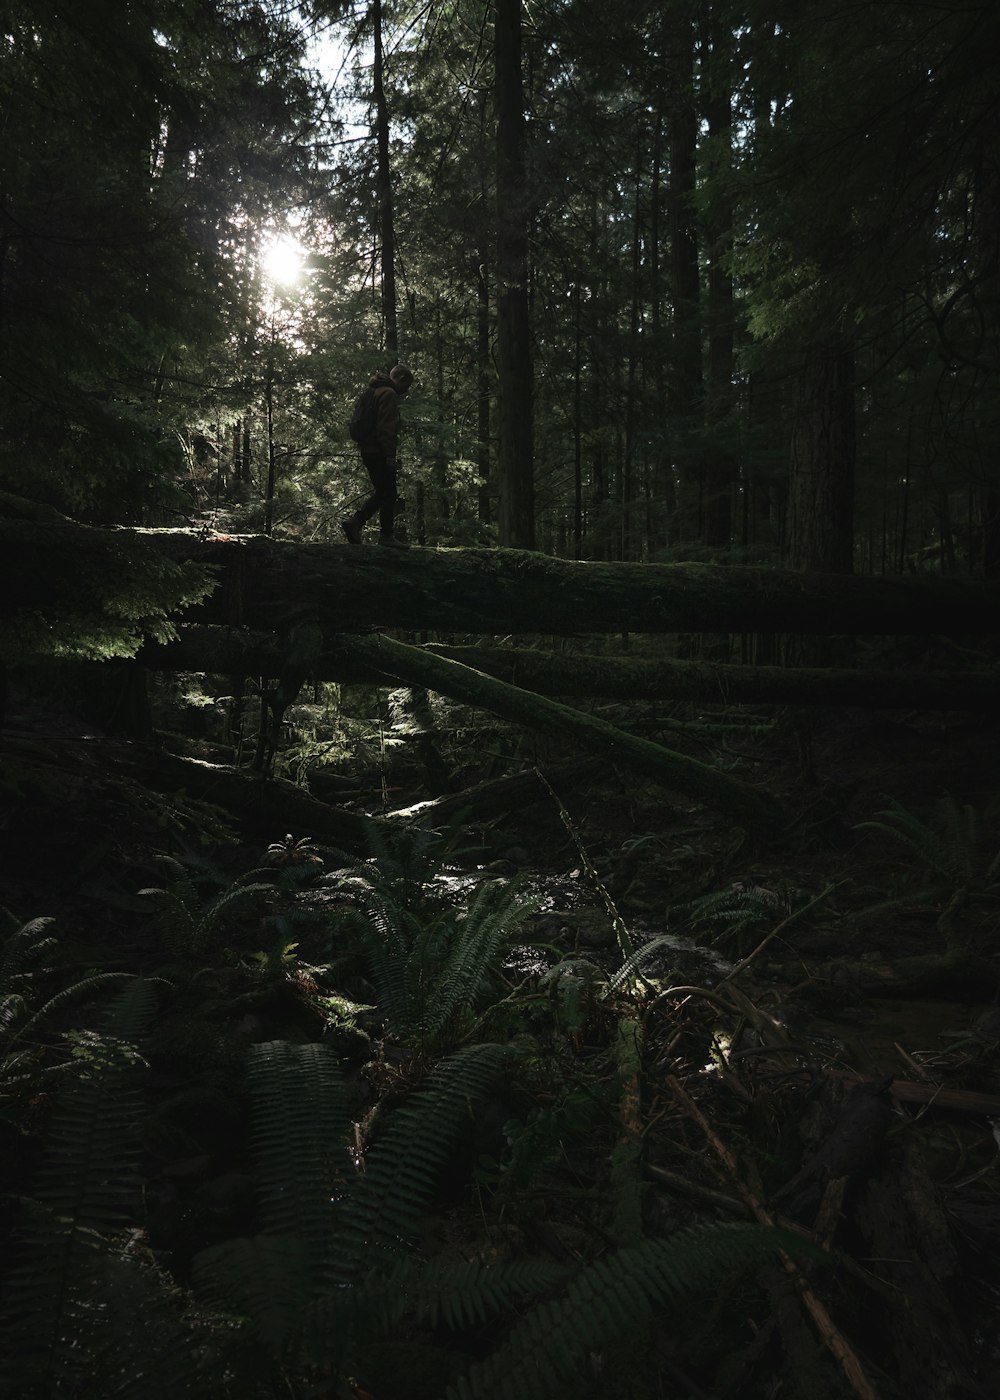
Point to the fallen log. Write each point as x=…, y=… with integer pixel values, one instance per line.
x=237, y=651
x=268, y=584
x=265, y=808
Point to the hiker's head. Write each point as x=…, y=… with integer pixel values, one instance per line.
x=401, y=378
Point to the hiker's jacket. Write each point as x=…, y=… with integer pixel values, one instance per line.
x=385, y=436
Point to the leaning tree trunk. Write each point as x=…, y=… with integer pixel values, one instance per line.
x=411, y=665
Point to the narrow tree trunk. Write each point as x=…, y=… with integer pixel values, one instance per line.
x=821, y=490
x=577, y=430
x=269, y=415
x=516, y=445
x=384, y=187
x=484, y=379
x=684, y=373
x=720, y=457
x=628, y=550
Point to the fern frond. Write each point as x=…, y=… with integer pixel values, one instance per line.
x=265, y=1280
x=90, y=1175
x=571, y=984
x=464, y=1295
x=299, y=1127
x=611, y=1299
x=947, y=842
x=493, y=916
x=22, y=948
x=135, y=1333
x=88, y=1186
x=634, y=962
x=402, y=1168
x=68, y=994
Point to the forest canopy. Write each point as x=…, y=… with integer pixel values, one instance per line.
x=759, y=251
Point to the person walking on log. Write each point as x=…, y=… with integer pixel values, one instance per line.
x=375, y=428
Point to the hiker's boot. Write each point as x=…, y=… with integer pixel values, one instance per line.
x=352, y=530
x=393, y=541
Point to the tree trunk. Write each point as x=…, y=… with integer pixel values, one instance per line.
x=384, y=186
x=720, y=456
x=485, y=507
x=516, y=446
x=684, y=371
x=821, y=490
x=270, y=584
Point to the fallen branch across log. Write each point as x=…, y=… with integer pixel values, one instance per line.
x=498, y=796
x=410, y=665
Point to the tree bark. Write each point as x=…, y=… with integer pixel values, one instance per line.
x=684, y=378
x=387, y=236
x=272, y=585
x=720, y=451
x=516, y=518
x=821, y=488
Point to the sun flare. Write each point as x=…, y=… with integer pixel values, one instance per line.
x=282, y=258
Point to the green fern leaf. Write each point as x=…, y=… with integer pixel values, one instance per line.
x=546, y=1353
x=88, y=1187
x=299, y=1118
x=265, y=1280
x=403, y=1167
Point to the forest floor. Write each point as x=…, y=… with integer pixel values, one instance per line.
x=812, y=1039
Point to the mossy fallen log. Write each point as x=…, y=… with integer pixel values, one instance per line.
x=264, y=808
x=607, y=676
x=410, y=665
x=268, y=584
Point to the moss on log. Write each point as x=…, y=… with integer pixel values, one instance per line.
x=412, y=665
x=268, y=584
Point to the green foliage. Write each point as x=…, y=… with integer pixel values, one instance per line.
x=953, y=870
x=188, y=922
x=402, y=1168
x=299, y=1114
x=430, y=957
x=736, y=911
x=28, y=1010
x=111, y=593
x=572, y=985
x=948, y=846
x=86, y=1191
x=608, y=1302
x=329, y=1265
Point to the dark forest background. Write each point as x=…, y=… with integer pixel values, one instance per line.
x=759, y=249
x=569, y=1001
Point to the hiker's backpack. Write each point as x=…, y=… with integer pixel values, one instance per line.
x=362, y=424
